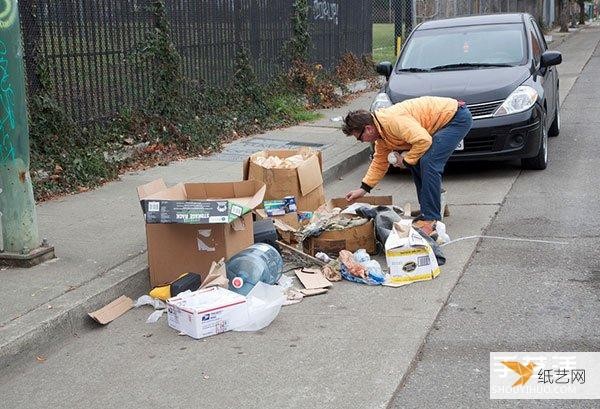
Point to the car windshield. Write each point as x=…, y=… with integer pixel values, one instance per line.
x=469, y=47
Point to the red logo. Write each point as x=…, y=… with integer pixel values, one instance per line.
x=237, y=282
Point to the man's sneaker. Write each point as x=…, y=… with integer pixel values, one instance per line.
x=426, y=226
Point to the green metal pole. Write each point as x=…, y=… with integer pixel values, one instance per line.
x=19, y=220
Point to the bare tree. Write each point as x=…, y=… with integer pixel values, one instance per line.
x=564, y=15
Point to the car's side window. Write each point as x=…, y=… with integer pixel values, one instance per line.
x=536, y=48
x=540, y=35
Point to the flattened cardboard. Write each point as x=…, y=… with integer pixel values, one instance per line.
x=316, y=291
x=312, y=270
x=304, y=182
x=312, y=281
x=174, y=249
x=112, y=310
x=351, y=239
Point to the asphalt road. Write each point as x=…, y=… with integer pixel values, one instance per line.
x=517, y=296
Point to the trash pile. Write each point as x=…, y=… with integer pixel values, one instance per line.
x=216, y=250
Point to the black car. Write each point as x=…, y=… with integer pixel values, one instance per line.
x=500, y=66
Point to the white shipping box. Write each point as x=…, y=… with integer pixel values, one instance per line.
x=409, y=257
x=207, y=312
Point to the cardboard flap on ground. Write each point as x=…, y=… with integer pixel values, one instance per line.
x=175, y=249
x=351, y=239
x=112, y=310
x=305, y=182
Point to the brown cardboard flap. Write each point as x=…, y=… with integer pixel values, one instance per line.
x=151, y=188
x=113, y=310
x=248, y=193
x=158, y=190
x=310, y=175
x=372, y=200
x=312, y=281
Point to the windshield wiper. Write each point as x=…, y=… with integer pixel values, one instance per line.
x=468, y=65
x=413, y=69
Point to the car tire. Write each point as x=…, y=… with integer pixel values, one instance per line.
x=540, y=161
x=555, y=126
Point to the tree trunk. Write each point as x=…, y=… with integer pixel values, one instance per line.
x=581, y=11
x=564, y=16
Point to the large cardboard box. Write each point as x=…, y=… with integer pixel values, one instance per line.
x=304, y=182
x=190, y=225
x=351, y=239
x=207, y=312
x=409, y=257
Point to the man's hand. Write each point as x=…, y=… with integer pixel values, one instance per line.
x=355, y=194
x=399, y=160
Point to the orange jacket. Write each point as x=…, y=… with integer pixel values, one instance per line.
x=407, y=126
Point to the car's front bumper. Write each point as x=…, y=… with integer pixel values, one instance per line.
x=513, y=136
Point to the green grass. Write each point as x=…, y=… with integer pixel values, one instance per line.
x=290, y=107
x=383, y=43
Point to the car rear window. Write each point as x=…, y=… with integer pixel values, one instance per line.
x=484, y=44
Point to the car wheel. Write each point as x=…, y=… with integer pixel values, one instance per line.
x=540, y=161
x=555, y=127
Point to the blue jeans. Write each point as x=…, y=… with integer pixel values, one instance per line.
x=427, y=173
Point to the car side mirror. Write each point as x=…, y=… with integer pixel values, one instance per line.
x=384, y=68
x=550, y=58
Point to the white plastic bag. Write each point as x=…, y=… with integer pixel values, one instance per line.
x=264, y=303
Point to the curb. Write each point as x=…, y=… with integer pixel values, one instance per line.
x=44, y=328
x=29, y=335
x=346, y=165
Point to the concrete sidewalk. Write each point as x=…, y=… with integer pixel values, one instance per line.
x=100, y=240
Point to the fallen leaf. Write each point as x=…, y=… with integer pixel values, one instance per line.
x=40, y=358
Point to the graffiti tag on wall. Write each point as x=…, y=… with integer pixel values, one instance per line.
x=7, y=118
x=8, y=13
x=326, y=10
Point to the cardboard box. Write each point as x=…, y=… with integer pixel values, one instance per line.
x=304, y=182
x=409, y=257
x=190, y=245
x=207, y=312
x=351, y=239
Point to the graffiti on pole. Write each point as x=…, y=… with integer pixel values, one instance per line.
x=8, y=13
x=7, y=121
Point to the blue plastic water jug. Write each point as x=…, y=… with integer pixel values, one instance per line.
x=259, y=262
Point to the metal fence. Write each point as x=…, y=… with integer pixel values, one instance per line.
x=87, y=46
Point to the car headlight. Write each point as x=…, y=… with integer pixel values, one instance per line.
x=519, y=100
x=381, y=101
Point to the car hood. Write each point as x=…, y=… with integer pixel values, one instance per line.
x=472, y=86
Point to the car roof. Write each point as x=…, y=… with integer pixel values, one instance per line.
x=474, y=20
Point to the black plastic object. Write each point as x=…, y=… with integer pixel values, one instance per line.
x=190, y=281
x=264, y=232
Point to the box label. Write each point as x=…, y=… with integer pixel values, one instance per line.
x=191, y=211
